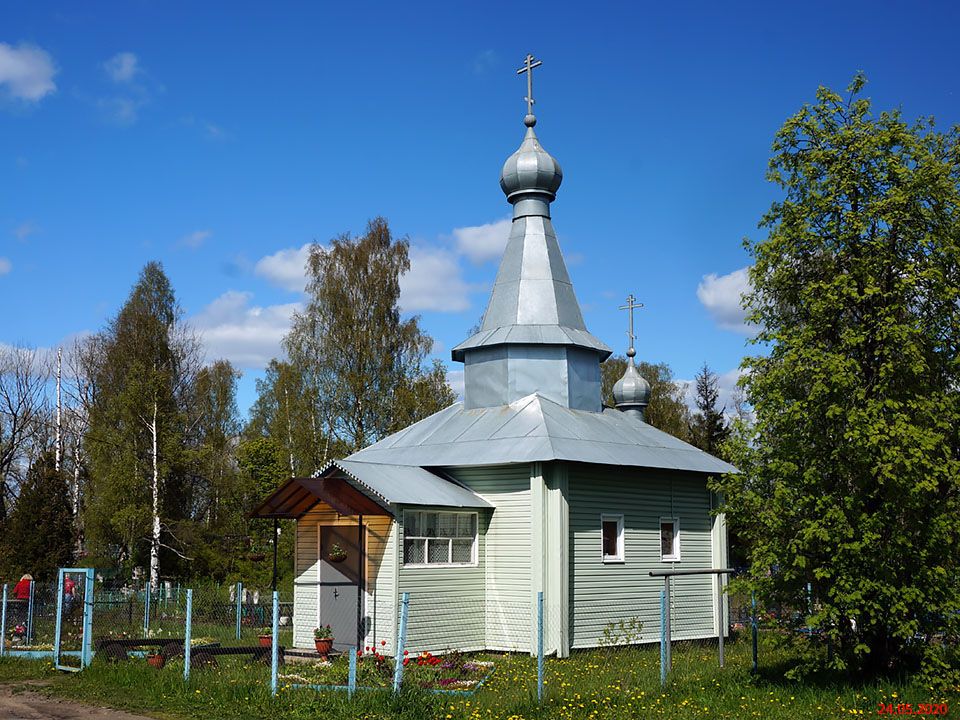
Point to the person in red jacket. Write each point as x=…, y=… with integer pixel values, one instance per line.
x=21, y=590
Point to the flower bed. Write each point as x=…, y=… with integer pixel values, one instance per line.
x=453, y=672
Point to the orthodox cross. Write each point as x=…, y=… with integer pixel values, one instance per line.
x=629, y=307
x=528, y=65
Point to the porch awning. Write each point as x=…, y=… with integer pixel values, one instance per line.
x=297, y=495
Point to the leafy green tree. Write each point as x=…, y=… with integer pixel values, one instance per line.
x=288, y=410
x=708, y=428
x=38, y=536
x=365, y=361
x=139, y=468
x=851, y=472
x=667, y=410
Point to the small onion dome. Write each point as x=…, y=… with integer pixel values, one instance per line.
x=531, y=169
x=631, y=393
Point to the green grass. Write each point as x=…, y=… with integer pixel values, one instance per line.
x=596, y=684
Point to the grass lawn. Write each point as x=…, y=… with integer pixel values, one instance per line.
x=596, y=684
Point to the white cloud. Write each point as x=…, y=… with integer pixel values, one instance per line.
x=246, y=335
x=720, y=295
x=121, y=110
x=26, y=72
x=195, y=239
x=455, y=381
x=5, y=266
x=24, y=230
x=481, y=243
x=434, y=282
x=485, y=60
x=122, y=67
x=286, y=268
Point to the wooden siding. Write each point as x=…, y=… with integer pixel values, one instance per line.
x=507, y=551
x=604, y=594
x=380, y=574
x=446, y=603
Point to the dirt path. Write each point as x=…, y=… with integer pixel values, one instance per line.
x=18, y=704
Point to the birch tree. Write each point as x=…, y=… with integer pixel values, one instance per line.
x=365, y=360
x=23, y=379
x=143, y=378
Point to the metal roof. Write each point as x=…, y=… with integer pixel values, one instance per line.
x=535, y=429
x=409, y=484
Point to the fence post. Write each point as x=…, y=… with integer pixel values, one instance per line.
x=239, y=606
x=663, y=636
x=273, y=645
x=720, y=627
x=59, y=621
x=30, y=602
x=352, y=673
x=3, y=623
x=146, y=609
x=753, y=627
x=668, y=633
x=401, y=641
x=540, y=646
x=188, y=636
x=86, y=645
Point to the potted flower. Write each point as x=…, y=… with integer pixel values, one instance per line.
x=337, y=553
x=323, y=639
x=265, y=634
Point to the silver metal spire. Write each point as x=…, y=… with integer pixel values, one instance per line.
x=532, y=338
x=529, y=64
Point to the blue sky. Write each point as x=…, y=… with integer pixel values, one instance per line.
x=221, y=138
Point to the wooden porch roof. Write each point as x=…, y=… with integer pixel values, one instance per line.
x=298, y=495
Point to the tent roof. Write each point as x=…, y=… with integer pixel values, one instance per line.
x=534, y=429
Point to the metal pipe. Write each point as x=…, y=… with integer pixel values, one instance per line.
x=274, y=659
x=187, y=636
x=753, y=629
x=720, y=628
x=540, y=646
x=663, y=637
x=3, y=622
x=276, y=529
x=401, y=641
x=667, y=633
x=704, y=571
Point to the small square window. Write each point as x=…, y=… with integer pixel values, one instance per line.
x=669, y=539
x=611, y=530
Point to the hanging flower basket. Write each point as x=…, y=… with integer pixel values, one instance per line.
x=336, y=554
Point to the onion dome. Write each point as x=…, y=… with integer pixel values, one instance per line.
x=531, y=169
x=631, y=392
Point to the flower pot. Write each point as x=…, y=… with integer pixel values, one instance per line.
x=336, y=558
x=156, y=661
x=324, y=646
x=265, y=640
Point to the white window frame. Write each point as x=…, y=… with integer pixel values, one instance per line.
x=473, y=550
x=621, y=555
x=675, y=555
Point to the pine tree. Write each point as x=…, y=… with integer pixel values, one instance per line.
x=38, y=537
x=708, y=429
